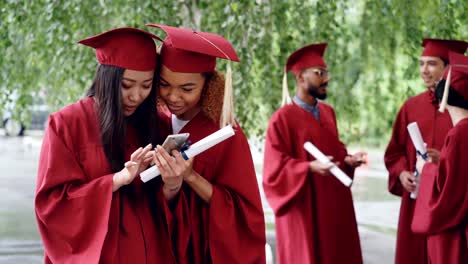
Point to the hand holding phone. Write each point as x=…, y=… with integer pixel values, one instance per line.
x=175, y=141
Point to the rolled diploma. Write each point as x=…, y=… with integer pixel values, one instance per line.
x=335, y=170
x=417, y=139
x=420, y=146
x=195, y=149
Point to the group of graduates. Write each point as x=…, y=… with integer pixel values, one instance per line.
x=92, y=207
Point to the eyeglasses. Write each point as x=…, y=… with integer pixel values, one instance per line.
x=322, y=73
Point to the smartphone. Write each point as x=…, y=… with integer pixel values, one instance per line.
x=175, y=141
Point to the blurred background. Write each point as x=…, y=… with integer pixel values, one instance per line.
x=372, y=55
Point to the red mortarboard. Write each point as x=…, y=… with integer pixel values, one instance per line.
x=128, y=48
x=303, y=58
x=306, y=57
x=441, y=47
x=456, y=76
x=191, y=51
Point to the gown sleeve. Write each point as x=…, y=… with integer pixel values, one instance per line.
x=395, y=154
x=236, y=225
x=72, y=212
x=283, y=175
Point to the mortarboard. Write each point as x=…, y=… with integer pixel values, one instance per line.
x=441, y=47
x=128, y=48
x=456, y=76
x=303, y=58
x=190, y=51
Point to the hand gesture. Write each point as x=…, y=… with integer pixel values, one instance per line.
x=408, y=180
x=174, y=169
x=138, y=162
x=433, y=154
x=321, y=168
x=356, y=160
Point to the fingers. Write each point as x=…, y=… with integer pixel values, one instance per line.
x=130, y=164
x=148, y=157
x=410, y=188
x=144, y=152
x=409, y=182
x=409, y=185
x=321, y=168
x=136, y=154
x=140, y=152
x=163, y=153
x=411, y=178
x=178, y=157
x=328, y=166
x=164, y=162
x=432, y=151
x=361, y=157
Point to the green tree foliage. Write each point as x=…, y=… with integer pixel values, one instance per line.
x=373, y=49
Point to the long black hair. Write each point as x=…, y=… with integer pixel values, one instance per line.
x=106, y=89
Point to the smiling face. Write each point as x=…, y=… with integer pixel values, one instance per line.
x=431, y=69
x=135, y=87
x=181, y=92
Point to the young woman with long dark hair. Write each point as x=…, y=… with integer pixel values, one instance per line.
x=90, y=205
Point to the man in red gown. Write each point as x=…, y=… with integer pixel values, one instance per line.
x=441, y=210
x=314, y=213
x=400, y=155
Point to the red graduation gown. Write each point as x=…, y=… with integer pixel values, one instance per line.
x=442, y=206
x=401, y=155
x=314, y=214
x=79, y=217
x=231, y=228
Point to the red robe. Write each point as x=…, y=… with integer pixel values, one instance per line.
x=79, y=217
x=442, y=206
x=231, y=228
x=401, y=155
x=314, y=214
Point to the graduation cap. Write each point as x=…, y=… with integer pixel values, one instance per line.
x=128, y=48
x=303, y=58
x=190, y=51
x=441, y=47
x=456, y=76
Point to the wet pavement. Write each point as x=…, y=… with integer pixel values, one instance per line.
x=376, y=209
x=19, y=237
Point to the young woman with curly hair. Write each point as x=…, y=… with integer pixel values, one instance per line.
x=216, y=212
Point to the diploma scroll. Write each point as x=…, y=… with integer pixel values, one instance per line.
x=420, y=146
x=335, y=170
x=195, y=149
x=417, y=140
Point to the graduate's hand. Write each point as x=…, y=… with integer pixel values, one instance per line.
x=172, y=169
x=433, y=154
x=146, y=161
x=356, y=160
x=408, y=181
x=184, y=166
x=321, y=168
x=131, y=168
